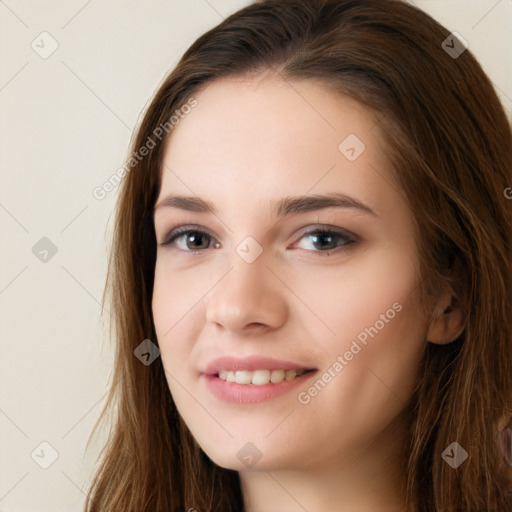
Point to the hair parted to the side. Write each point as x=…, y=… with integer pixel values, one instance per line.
x=450, y=144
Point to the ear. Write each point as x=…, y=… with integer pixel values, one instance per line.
x=447, y=322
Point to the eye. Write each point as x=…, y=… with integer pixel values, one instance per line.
x=328, y=239
x=193, y=239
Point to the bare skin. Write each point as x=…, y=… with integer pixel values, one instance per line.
x=247, y=143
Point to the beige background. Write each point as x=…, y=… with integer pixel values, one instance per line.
x=65, y=127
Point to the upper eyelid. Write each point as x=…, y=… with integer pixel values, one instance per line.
x=185, y=228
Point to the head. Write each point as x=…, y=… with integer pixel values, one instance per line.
x=415, y=298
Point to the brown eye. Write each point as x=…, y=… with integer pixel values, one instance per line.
x=323, y=240
x=193, y=239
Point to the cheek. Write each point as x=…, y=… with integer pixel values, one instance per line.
x=175, y=294
x=354, y=296
x=380, y=365
x=375, y=316
x=382, y=352
x=174, y=306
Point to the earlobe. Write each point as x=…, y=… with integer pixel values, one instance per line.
x=447, y=323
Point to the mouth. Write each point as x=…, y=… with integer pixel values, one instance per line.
x=250, y=387
x=253, y=378
x=260, y=377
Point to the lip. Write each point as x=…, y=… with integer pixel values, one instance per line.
x=251, y=363
x=251, y=393
x=232, y=392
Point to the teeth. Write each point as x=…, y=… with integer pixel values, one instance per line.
x=243, y=377
x=277, y=376
x=290, y=375
x=259, y=377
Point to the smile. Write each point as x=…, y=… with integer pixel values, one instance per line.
x=259, y=377
x=256, y=386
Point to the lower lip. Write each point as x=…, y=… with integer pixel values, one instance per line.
x=251, y=393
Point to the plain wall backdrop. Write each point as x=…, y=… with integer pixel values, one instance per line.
x=74, y=78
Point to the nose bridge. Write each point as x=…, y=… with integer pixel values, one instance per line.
x=249, y=293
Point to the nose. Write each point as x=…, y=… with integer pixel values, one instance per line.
x=249, y=297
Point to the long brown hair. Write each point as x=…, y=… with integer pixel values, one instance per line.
x=450, y=143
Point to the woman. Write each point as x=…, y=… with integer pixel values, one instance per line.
x=266, y=371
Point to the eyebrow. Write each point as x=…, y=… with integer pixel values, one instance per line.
x=282, y=208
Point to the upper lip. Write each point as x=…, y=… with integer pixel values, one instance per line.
x=251, y=363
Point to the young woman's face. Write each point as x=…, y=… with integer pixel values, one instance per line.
x=263, y=282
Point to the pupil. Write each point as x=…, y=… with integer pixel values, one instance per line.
x=323, y=237
x=193, y=238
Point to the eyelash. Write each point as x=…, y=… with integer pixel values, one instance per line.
x=178, y=232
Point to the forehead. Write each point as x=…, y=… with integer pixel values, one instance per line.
x=256, y=138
